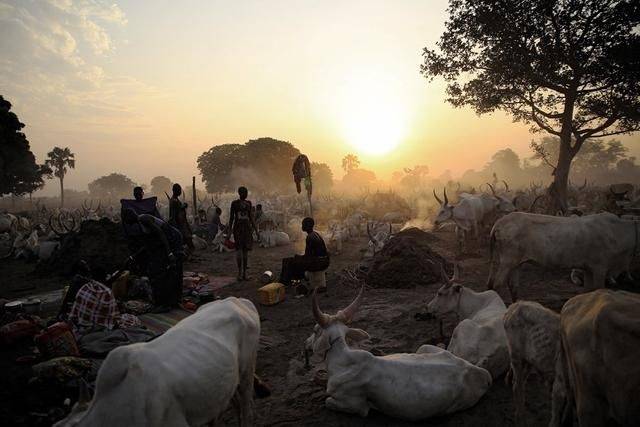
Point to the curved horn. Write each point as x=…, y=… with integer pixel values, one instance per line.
x=514, y=201
x=390, y=230
x=456, y=273
x=446, y=199
x=347, y=314
x=69, y=229
x=445, y=278
x=51, y=225
x=506, y=186
x=373, y=239
x=583, y=186
x=436, y=196
x=533, y=204
x=492, y=189
x=321, y=318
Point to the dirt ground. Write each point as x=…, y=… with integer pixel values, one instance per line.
x=386, y=314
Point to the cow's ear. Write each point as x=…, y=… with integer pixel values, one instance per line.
x=357, y=335
x=457, y=287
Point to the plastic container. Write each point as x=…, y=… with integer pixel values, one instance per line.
x=57, y=341
x=271, y=294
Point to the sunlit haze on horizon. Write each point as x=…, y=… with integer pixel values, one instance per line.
x=145, y=87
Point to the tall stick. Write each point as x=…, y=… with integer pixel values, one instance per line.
x=195, y=207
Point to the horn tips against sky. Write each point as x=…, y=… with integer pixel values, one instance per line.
x=144, y=87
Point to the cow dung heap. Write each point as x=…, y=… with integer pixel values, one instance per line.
x=405, y=261
x=100, y=243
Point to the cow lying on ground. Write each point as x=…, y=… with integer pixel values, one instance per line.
x=428, y=383
x=186, y=377
x=561, y=242
x=597, y=372
x=479, y=338
x=534, y=340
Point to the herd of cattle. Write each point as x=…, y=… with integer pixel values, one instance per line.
x=588, y=354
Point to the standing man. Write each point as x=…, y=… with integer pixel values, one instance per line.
x=178, y=216
x=242, y=226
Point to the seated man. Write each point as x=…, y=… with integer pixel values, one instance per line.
x=315, y=260
x=215, y=224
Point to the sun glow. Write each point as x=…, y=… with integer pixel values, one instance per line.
x=373, y=116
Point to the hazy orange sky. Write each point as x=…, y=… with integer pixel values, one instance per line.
x=144, y=87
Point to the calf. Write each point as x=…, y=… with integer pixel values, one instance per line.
x=533, y=339
x=597, y=370
x=415, y=386
x=480, y=337
x=186, y=377
x=272, y=238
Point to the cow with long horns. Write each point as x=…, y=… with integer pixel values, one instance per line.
x=411, y=386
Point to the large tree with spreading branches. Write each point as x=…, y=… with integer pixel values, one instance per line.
x=566, y=67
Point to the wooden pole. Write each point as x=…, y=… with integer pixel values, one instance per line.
x=195, y=206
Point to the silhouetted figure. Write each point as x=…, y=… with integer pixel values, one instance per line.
x=242, y=226
x=315, y=259
x=164, y=254
x=178, y=216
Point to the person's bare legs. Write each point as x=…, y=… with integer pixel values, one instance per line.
x=245, y=261
x=239, y=259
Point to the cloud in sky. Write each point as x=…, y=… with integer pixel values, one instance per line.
x=53, y=53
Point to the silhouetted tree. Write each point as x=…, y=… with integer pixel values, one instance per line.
x=59, y=159
x=357, y=179
x=322, y=177
x=19, y=172
x=113, y=186
x=569, y=68
x=160, y=185
x=262, y=164
x=350, y=162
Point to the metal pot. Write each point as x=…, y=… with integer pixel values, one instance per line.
x=14, y=307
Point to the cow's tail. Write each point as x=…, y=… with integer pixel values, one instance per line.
x=492, y=245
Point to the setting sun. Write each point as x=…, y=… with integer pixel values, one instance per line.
x=373, y=114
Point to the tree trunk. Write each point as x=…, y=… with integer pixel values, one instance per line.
x=61, y=192
x=558, y=188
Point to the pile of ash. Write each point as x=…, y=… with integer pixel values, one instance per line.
x=100, y=243
x=406, y=261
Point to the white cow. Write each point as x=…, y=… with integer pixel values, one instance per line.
x=562, y=242
x=533, y=338
x=469, y=214
x=273, y=238
x=411, y=386
x=218, y=242
x=480, y=337
x=186, y=377
x=379, y=235
x=198, y=242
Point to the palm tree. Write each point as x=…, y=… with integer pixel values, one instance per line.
x=350, y=162
x=58, y=160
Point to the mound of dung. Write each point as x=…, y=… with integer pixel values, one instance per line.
x=100, y=243
x=405, y=261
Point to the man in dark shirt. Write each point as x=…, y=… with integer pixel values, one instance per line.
x=315, y=258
